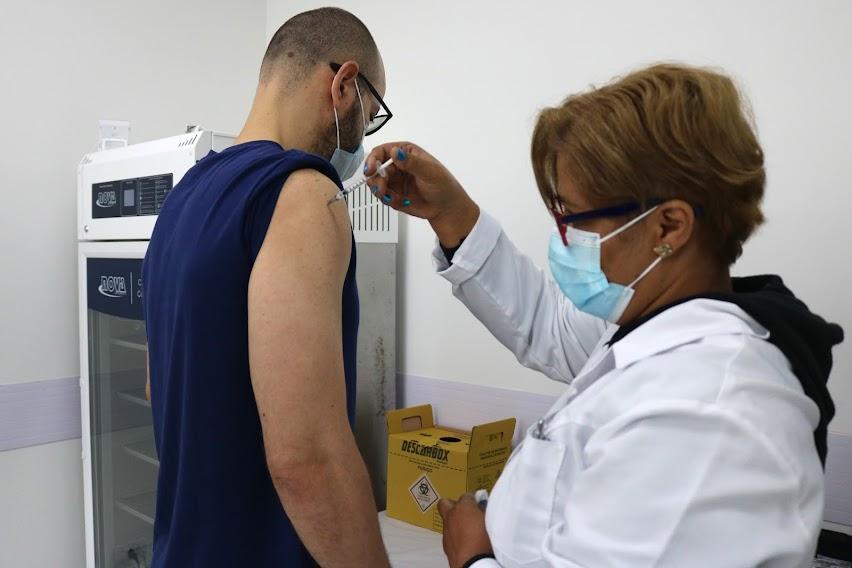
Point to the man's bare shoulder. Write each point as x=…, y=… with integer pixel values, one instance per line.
x=310, y=185
x=304, y=219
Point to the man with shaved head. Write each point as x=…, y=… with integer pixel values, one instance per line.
x=252, y=316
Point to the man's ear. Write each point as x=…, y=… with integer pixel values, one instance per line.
x=342, y=86
x=674, y=224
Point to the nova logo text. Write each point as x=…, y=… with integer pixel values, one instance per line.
x=106, y=199
x=113, y=286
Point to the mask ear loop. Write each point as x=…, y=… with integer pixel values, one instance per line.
x=662, y=251
x=628, y=225
x=361, y=104
x=337, y=127
x=363, y=117
x=645, y=272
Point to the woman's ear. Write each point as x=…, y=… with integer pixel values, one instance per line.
x=675, y=224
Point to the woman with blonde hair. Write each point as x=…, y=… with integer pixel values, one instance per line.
x=693, y=426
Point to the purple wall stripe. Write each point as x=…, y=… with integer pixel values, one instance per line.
x=39, y=412
x=42, y=412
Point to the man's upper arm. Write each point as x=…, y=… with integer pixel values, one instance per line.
x=295, y=305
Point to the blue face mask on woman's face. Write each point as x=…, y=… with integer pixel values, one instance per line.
x=576, y=267
x=347, y=163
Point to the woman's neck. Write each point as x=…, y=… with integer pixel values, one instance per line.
x=690, y=282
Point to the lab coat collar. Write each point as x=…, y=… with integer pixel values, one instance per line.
x=684, y=323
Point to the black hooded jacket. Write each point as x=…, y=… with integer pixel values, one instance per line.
x=802, y=336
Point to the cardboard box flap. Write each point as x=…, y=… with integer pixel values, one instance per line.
x=490, y=440
x=408, y=419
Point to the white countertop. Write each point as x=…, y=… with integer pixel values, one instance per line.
x=411, y=547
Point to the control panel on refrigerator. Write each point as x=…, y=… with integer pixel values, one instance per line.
x=130, y=197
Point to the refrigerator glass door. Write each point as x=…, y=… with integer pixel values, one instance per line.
x=123, y=459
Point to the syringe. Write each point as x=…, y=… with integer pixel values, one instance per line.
x=353, y=186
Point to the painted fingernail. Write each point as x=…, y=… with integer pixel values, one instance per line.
x=374, y=189
x=406, y=202
x=366, y=167
x=386, y=198
x=400, y=155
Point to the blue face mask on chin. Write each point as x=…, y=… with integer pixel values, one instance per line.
x=577, y=270
x=347, y=163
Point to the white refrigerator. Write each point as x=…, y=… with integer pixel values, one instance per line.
x=120, y=192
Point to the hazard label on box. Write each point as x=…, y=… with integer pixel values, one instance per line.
x=424, y=493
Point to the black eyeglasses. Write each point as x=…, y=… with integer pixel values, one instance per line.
x=375, y=123
x=563, y=220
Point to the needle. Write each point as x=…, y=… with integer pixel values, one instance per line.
x=349, y=189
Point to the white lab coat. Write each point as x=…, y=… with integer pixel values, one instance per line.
x=689, y=443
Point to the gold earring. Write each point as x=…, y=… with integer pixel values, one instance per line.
x=664, y=250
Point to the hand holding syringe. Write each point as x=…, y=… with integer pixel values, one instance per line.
x=353, y=186
x=421, y=186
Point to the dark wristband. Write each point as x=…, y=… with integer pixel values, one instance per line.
x=450, y=252
x=476, y=559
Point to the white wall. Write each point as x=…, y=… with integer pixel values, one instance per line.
x=41, y=506
x=63, y=65
x=466, y=79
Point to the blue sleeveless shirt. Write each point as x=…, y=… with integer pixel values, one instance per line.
x=216, y=503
